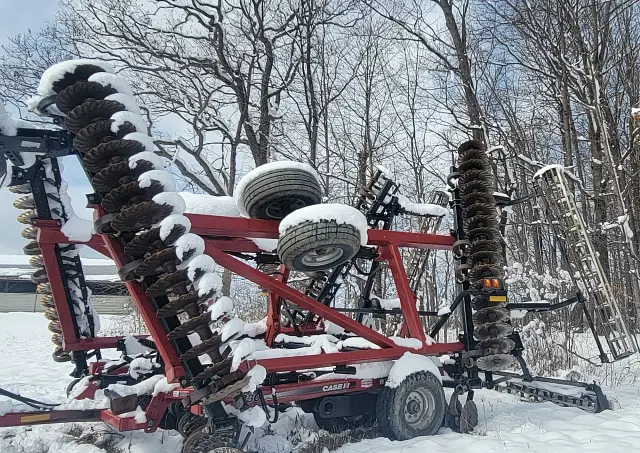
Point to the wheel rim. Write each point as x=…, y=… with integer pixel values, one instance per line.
x=418, y=408
x=322, y=256
x=280, y=208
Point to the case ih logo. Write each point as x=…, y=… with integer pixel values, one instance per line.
x=334, y=387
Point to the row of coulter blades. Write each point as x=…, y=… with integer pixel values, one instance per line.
x=67, y=255
x=144, y=214
x=553, y=190
x=482, y=257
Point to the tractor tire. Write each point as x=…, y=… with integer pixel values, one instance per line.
x=316, y=246
x=201, y=442
x=277, y=193
x=340, y=424
x=416, y=407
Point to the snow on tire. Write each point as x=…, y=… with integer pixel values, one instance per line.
x=414, y=408
x=315, y=246
x=273, y=194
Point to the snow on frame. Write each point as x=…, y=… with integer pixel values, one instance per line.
x=373, y=370
x=547, y=168
x=422, y=208
x=388, y=304
x=265, y=244
x=266, y=168
x=8, y=125
x=340, y=213
x=384, y=170
x=77, y=229
x=224, y=206
x=210, y=205
x=411, y=343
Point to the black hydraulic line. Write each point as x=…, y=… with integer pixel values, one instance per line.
x=28, y=401
x=543, y=306
x=393, y=311
x=366, y=292
x=444, y=318
x=265, y=407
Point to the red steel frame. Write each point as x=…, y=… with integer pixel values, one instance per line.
x=223, y=235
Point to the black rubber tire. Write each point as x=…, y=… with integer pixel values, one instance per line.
x=277, y=193
x=201, y=442
x=297, y=243
x=340, y=424
x=390, y=407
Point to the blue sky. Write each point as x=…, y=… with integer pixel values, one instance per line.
x=20, y=16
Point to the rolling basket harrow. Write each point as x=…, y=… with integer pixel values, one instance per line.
x=204, y=358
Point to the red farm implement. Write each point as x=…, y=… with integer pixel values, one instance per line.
x=312, y=347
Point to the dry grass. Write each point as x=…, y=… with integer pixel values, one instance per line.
x=106, y=440
x=333, y=441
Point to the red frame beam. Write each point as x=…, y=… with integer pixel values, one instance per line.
x=236, y=227
x=273, y=310
x=310, y=362
x=46, y=417
x=230, y=236
x=173, y=368
x=405, y=293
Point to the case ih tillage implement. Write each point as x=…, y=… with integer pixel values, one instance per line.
x=168, y=260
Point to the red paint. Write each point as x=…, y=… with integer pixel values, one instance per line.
x=47, y=417
x=406, y=295
x=309, y=362
x=225, y=228
x=59, y=295
x=273, y=311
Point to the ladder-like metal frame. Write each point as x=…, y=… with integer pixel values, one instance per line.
x=552, y=188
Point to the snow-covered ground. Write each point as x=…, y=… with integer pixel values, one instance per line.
x=506, y=424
